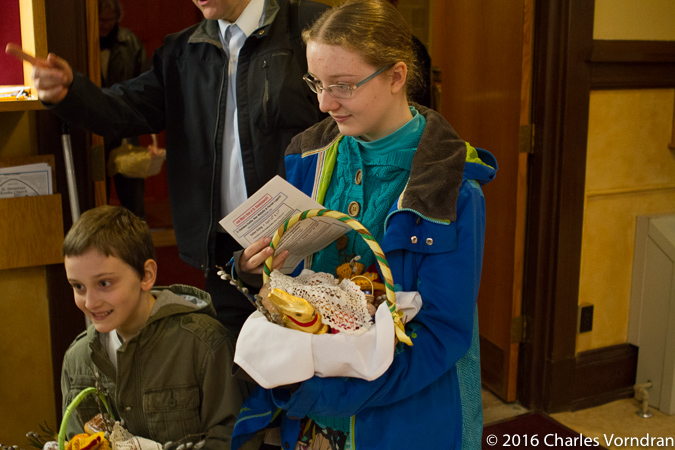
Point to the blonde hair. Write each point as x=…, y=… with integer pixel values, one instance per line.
x=113, y=231
x=374, y=29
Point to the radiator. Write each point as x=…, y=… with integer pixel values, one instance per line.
x=651, y=323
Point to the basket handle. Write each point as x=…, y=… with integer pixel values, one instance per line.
x=76, y=401
x=368, y=238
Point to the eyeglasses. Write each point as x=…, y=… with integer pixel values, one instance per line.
x=338, y=90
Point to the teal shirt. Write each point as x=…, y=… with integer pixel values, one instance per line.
x=385, y=169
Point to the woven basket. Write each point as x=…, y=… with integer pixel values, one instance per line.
x=134, y=162
x=367, y=237
x=76, y=401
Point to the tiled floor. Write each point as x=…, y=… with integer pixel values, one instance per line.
x=616, y=425
x=495, y=410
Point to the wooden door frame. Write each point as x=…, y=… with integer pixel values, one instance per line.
x=568, y=64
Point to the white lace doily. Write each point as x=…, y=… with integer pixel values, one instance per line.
x=121, y=439
x=342, y=305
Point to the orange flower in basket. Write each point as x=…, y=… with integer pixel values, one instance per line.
x=83, y=441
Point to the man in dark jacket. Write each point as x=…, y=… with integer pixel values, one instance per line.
x=186, y=93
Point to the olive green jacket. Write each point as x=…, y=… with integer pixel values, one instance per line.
x=173, y=379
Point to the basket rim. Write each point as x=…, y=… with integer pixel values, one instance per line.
x=346, y=219
x=366, y=236
x=73, y=404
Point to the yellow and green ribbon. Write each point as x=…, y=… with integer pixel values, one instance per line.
x=368, y=238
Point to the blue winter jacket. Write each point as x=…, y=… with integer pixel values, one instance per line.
x=434, y=236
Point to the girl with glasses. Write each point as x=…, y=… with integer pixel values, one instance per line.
x=401, y=170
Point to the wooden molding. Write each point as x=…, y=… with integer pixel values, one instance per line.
x=632, y=64
x=672, y=140
x=561, y=94
x=632, y=76
x=604, y=375
x=633, y=52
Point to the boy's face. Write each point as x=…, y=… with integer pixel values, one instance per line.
x=110, y=292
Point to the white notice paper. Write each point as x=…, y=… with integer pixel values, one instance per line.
x=27, y=180
x=266, y=210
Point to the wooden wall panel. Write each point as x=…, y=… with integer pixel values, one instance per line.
x=26, y=389
x=32, y=231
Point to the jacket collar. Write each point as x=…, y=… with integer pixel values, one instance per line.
x=437, y=170
x=171, y=300
x=437, y=167
x=180, y=299
x=208, y=31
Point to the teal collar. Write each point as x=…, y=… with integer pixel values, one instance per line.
x=407, y=136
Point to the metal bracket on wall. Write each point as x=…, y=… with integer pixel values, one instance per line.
x=518, y=329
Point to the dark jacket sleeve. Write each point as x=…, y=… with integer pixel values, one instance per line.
x=131, y=108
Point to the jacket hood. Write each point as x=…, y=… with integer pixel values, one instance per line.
x=441, y=163
x=180, y=299
x=480, y=166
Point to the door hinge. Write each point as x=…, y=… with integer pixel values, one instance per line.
x=518, y=329
x=526, y=139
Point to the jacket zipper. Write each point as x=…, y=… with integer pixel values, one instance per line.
x=207, y=269
x=439, y=222
x=266, y=92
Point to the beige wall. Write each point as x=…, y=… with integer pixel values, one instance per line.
x=630, y=171
x=639, y=20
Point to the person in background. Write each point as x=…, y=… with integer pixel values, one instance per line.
x=122, y=57
x=230, y=96
x=402, y=171
x=163, y=359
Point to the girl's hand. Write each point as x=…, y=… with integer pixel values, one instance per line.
x=253, y=257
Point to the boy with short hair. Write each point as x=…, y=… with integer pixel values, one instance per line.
x=160, y=354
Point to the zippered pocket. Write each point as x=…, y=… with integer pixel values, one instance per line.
x=266, y=93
